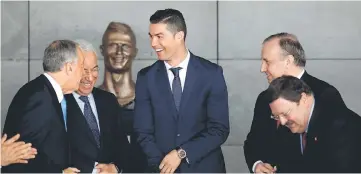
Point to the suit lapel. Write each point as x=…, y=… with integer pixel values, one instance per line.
x=312, y=132
x=77, y=116
x=162, y=81
x=191, y=78
x=55, y=100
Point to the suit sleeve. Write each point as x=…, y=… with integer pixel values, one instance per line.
x=143, y=122
x=26, y=116
x=254, y=145
x=217, y=130
x=122, y=146
x=344, y=146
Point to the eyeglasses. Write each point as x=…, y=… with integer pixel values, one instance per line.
x=277, y=117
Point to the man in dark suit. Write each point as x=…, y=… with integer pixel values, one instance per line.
x=282, y=54
x=329, y=133
x=96, y=141
x=181, y=106
x=38, y=110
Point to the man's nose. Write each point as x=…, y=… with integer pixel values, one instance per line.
x=283, y=120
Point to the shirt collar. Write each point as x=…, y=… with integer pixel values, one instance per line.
x=76, y=96
x=183, y=64
x=309, y=118
x=301, y=74
x=56, y=86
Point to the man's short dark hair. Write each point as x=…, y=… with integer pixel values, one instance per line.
x=289, y=88
x=173, y=18
x=290, y=45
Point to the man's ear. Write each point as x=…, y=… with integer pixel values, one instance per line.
x=304, y=98
x=180, y=35
x=290, y=59
x=68, y=68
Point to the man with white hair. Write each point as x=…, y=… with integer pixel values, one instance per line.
x=97, y=143
x=38, y=111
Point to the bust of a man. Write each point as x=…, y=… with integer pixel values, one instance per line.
x=119, y=50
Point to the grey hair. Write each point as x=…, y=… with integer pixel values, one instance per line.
x=85, y=45
x=290, y=45
x=58, y=53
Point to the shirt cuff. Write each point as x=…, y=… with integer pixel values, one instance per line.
x=255, y=164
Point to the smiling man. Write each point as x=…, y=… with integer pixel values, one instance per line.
x=97, y=142
x=181, y=107
x=282, y=54
x=329, y=133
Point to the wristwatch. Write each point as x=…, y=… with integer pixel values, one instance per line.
x=181, y=153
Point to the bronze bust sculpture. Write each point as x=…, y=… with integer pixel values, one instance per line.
x=119, y=50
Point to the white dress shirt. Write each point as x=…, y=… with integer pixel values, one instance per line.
x=182, y=72
x=56, y=87
x=92, y=105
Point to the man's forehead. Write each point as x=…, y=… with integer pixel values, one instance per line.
x=280, y=102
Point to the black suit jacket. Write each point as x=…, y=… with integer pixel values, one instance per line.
x=262, y=140
x=114, y=146
x=333, y=141
x=36, y=114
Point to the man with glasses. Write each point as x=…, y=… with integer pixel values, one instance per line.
x=282, y=54
x=97, y=143
x=329, y=133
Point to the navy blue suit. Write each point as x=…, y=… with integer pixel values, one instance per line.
x=200, y=127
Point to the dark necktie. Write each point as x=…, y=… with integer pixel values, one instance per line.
x=90, y=118
x=304, y=137
x=176, y=87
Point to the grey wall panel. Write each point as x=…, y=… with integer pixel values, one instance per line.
x=326, y=29
x=244, y=82
x=88, y=20
x=235, y=161
x=13, y=76
x=14, y=30
x=344, y=75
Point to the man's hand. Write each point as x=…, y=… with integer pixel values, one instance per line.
x=106, y=168
x=15, y=152
x=265, y=168
x=170, y=162
x=71, y=170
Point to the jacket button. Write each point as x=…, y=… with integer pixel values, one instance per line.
x=178, y=135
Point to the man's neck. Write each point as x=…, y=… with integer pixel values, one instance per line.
x=58, y=77
x=295, y=72
x=121, y=85
x=178, y=57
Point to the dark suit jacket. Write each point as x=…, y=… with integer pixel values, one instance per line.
x=137, y=160
x=36, y=114
x=200, y=127
x=333, y=141
x=262, y=140
x=114, y=146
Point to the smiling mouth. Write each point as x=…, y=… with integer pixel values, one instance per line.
x=87, y=84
